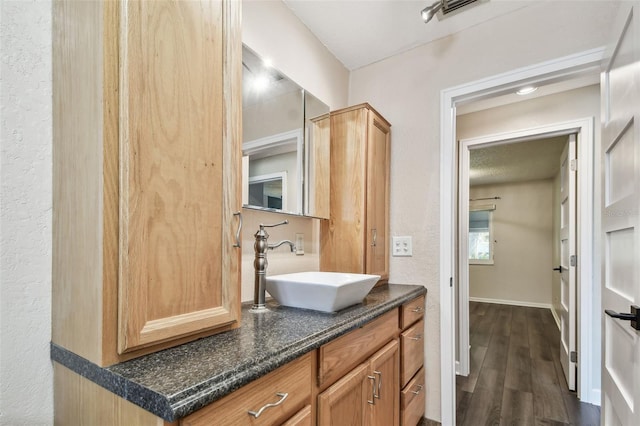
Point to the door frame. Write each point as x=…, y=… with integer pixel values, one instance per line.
x=564, y=67
x=584, y=128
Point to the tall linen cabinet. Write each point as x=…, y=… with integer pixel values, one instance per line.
x=146, y=174
x=356, y=236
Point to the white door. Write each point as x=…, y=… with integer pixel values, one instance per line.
x=568, y=262
x=620, y=87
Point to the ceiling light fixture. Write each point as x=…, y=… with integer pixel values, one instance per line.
x=429, y=12
x=526, y=90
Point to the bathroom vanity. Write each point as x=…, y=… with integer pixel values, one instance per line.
x=147, y=324
x=325, y=363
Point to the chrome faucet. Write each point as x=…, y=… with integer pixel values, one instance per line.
x=260, y=264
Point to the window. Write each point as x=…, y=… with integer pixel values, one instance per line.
x=480, y=236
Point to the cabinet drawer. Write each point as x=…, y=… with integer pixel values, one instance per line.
x=294, y=379
x=411, y=312
x=301, y=418
x=344, y=353
x=413, y=401
x=412, y=347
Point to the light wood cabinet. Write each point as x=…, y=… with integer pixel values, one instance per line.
x=368, y=395
x=412, y=342
x=270, y=400
x=413, y=401
x=342, y=354
x=385, y=410
x=411, y=312
x=343, y=403
x=356, y=236
x=412, y=381
x=146, y=174
x=303, y=417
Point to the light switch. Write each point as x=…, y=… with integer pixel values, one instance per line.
x=402, y=246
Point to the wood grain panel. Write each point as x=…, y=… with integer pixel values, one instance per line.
x=301, y=418
x=79, y=401
x=411, y=311
x=413, y=400
x=343, y=236
x=412, y=343
x=77, y=188
x=342, y=354
x=172, y=152
x=295, y=379
x=319, y=169
x=378, y=156
x=344, y=403
x=111, y=182
x=385, y=367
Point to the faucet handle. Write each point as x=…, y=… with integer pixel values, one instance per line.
x=284, y=222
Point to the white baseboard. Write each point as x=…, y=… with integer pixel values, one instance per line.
x=512, y=302
x=556, y=317
x=596, y=397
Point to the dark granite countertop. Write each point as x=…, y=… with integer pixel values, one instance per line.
x=175, y=382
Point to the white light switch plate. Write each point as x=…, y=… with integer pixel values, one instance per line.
x=402, y=246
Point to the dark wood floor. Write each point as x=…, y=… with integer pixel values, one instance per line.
x=516, y=377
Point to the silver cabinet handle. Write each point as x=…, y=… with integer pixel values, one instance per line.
x=418, y=310
x=239, y=214
x=379, y=374
x=374, y=237
x=417, y=337
x=257, y=414
x=372, y=401
x=418, y=391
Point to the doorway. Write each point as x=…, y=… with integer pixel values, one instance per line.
x=566, y=67
x=507, y=216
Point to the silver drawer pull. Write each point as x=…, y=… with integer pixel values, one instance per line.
x=418, y=310
x=239, y=229
x=418, y=391
x=282, y=396
x=372, y=401
x=417, y=337
x=379, y=374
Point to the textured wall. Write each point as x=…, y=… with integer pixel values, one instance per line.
x=406, y=89
x=523, y=234
x=26, y=389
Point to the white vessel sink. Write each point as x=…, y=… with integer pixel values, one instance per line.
x=320, y=291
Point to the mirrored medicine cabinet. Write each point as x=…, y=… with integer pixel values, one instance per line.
x=285, y=148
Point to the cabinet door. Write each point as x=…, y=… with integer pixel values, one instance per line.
x=343, y=236
x=343, y=403
x=378, y=152
x=385, y=368
x=179, y=166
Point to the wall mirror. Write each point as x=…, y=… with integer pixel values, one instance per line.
x=285, y=149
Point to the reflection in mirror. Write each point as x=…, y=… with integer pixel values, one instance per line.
x=317, y=176
x=285, y=145
x=273, y=119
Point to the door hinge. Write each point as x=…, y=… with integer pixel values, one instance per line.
x=574, y=260
x=574, y=356
x=573, y=165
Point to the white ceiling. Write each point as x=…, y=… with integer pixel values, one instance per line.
x=360, y=32
x=516, y=162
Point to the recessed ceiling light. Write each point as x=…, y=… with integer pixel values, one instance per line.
x=526, y=90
